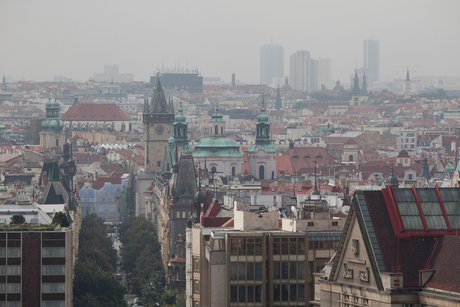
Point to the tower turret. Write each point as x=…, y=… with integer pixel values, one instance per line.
x=364, y=91
x=356, y=91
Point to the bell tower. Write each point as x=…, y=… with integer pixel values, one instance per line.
x=407, y=86
x=157, y=118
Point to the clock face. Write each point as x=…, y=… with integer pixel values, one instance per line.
x=159, y=129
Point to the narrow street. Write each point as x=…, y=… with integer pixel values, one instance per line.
x=118, y=247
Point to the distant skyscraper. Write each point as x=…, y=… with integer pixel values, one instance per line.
x=271, y=63
x=371, y=59
x=324, y=71
x=304, y=71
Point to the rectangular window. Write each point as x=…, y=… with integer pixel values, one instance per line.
x=196, y=265
x=2, y=288
x=53, y=252
x=14, y=288
x=284, y=293
x=276, y=248
x=177, y=214
x=301, y=293
x=14, y=270
x=2, y=252
x=53, y=270
x=13, y=304
x=242, y=294
x=250, y=273
x=293, y=270
x=276, y=270
x=293, y=293
x=2, y=270
x=335, y=223
x=284, y=270
x=233, y=271
x=197, y=287
x=301, y=269
x=250, y=292
x=311, y=223
x=258, y=268
x=52, y=288
x=183, y=214
x=14, y=252
x=234, y=294
x=53, y=304
x=276, y=292
x=242, y=271
x=258, y=293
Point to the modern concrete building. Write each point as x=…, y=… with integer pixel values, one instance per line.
x=304, y=72
x=371, y=58
x=324, y=71
x=271, y=63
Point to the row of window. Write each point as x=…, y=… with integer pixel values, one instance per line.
x=12, y=288
x=10, y=304
x=46, y=252
x=47, y=270
x=289, y=246
x=289, y=270
x=11, y=269
x=246, y=247
x=246, y=271
x=289, y=292
x=185, y=214
x=53, y=304
x=53, y=288
x=246, y=294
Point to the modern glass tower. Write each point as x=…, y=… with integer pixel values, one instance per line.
x=371, y=59
x=271, y=63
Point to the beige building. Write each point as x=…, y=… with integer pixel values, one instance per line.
x=256, y=263
x=399, y=248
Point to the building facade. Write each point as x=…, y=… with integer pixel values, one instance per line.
x=371, y=59
x=304, y=72
x=271, y=63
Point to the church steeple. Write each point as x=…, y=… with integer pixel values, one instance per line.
x=407, y=86
x=263, y=126
x=158, y=104
x=407, y=76
x=356, y=91
x=278, y=101
x=364, y=88
x=180, y=129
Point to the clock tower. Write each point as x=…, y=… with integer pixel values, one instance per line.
x=157, y=118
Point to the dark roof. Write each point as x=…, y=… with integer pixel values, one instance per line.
x=186, y=178
x=446, y=263
x=112, y=168
x=215, y=221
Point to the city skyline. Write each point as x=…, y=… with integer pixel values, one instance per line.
x=76, y=40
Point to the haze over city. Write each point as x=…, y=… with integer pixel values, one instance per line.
x=42, y=39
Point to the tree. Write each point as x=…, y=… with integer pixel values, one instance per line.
x=62, y=218
x=17, y=219
x=95, y=245
x=93, y=286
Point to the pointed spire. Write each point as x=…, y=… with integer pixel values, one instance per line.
x=407, y=76
x=315, y=191
x=425, y=168
x=364, y=91
x=55, y=93
x=392, y=180
x=356, y=91
x=55, y=174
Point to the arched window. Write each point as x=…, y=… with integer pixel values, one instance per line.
x=233, y=171
x=57, y=142
x=261, y=172
x=262, y=131
x=180, y=131
x=216, y=130
x=222, y=130
x=213, y=170
x=350, y=158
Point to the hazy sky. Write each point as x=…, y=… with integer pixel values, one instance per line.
x=42, y=39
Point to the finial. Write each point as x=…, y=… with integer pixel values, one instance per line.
x=49, y=93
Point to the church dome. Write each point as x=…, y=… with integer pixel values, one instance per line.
x=217, y=116
x=449, y=168
x=199, y=197
x=263, y=117
x=219, y=145
x=180, y=117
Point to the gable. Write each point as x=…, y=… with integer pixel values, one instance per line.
x=354, y=265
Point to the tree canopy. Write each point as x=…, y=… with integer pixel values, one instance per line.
x=62, y=218
x=17, y=219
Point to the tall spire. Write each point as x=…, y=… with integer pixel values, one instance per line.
x=278, y=101
x=425, y=168
x=315, y=191
x=356, y=91
x=55, y=93
x=364, y=88
x=407, y=76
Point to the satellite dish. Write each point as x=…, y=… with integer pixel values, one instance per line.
x=294, y=211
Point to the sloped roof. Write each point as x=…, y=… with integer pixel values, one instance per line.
x=95, y=112
x=446, y=263
x=113, y=168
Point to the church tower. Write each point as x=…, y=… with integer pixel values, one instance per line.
x=364, y=91
x=407, y=86
x=52, y=134
x=262, y=155
x=278, y=101
x=180, y=130
x=157, y=118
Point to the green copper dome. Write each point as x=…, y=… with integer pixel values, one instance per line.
x=263, y=117
x=449, y=168
x=180, y=117
x=217, y=116
x=219, y=145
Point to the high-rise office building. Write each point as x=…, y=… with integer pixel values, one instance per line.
x=271, y=63
x=304, y=71
x=371, y=59
x=324, y=70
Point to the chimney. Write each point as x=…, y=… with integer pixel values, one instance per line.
x=291, y=144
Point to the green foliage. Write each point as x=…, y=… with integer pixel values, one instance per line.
x=142, y=257
x=63, y=219
x=93, y=286
x=17, y=219
x=95, y=245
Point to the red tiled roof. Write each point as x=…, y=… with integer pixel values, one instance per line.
x=112, y=168
x=95, y=112
x=100, y=182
